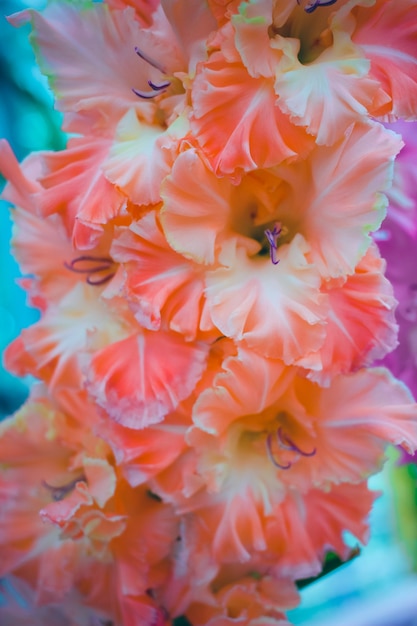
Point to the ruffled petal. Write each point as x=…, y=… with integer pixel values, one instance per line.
x=387, y=35
x=89, y=55
x=327, y=95
x=137, y=388
x=252, y=38
x=356, y=418
x=196, y=208
x=280, y=311
x=73, y=184
x=141, y=156
x=251, y=131
x=340, y=200
x=158, y=282
x=361, y=324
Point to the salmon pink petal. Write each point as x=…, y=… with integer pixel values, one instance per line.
x=196, y=208
x=327, y=95
x=41, y=246
x=142, y=454
x=89, y=56
x=252, y=38
x=74, y=185
x=361, y=324
x=305, y=527
x=385, y=31
x=340, y=201
x=22, y=187
x=251, y=131
x=101, y=479
x=192, y=22
x=281, y=311
x=135, y=385
x=357, y=417
x=158, y=281
x=144, y=8
x=52, y=346
x=329, y=514
x=141, y=157
x=231, y=395
x=64, y=510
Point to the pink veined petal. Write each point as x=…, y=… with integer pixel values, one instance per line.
x=321, y=518
x=73, y=184
x=196, y=208
x=144, y=8
x=142, y=378
x=231, y=394
x=277, y=310
x=360, y=324
x=89, y=55
x=101, y=479
x=159, y=283
x=41, y=246
x=340, y=201
x=252, y=38
x=386, y=33
x=192, y=22
x=51, y=348
x=327, y=95
x=21, y=188
x=144, y=453
x=141, y=156
x=251, y=131
x=356, y=418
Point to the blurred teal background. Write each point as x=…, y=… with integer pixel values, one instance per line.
x=379, y=587
x=28, y=122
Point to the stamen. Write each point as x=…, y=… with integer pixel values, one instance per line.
x=272, y=237
x=159, y=87
x=101, y=281
x=271, y=454
x=314, y=4
x=147, y=95
x=288, y=444
x=91, y=265
x=59, y=493
x=145, y=57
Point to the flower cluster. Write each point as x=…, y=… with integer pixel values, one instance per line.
x=211, y=301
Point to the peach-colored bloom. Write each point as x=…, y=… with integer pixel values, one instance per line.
x=69, y=521
x=162, y=287
x=360, y=324
x=251, y=131
x=211, y=300
x=385, y=31
x=252, y=453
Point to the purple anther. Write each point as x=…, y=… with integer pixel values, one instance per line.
x=59, y=493
x=91, y=265
x=86, y=264
x=160, y=87
x=272, y=237
x=314, y=4
x=145, y=57
x=288, y=444
x=271, y=454
x=100, y=281
x=147, y=95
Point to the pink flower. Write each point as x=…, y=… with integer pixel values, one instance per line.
x=211, y=300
